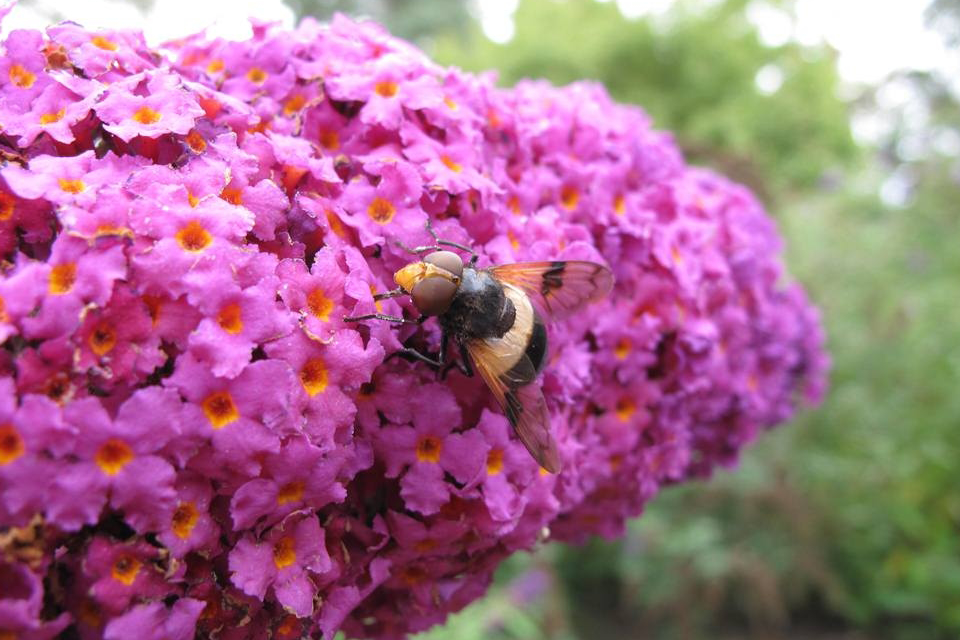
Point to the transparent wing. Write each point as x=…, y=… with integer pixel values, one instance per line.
x=513, y=383
x=558, y=288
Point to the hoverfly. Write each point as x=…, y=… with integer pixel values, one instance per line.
x=496, y=318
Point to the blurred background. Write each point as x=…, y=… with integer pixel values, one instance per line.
x=844, y=117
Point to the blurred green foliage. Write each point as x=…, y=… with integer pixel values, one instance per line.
x=694, y=70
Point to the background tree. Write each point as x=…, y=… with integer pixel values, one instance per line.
x=769, y=116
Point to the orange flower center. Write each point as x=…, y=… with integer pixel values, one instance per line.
x=125, y=569
x=229, y=318
x=622, y=348
x=11, y=444
x=381, y=210
x=290, y=492
x=329, y=139
x=219, y=409
x=185, y=519
x=619, y=204
x=625, y=409
x=450, y=164
x=386, y=88
x=103, y=338
x=294, y=104
x=314, y=377
x=146, y=115
x=495, y=461
x=284, y=554
x=196, y=142
x=72, y=186
x=62, y=278
x=50, y=118
x=320, y=305
x=569, y=196
x=154, y=304
x=513, y=203
x=194, y=237
x=21, y=78
x=103, y=43
x=429, y=448
x=113, y=455
x=233, y=195
x=7, y=202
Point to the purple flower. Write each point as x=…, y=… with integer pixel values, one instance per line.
x=157, y=621
x=283, y=559
x=186, y=412
x=150, y=104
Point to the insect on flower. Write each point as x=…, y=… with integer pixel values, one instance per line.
x=496, y=318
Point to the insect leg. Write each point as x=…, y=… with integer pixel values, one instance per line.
x=384, y=316
x=467, y=369
x=413, y=353
x=389, y=294
x=462, y=365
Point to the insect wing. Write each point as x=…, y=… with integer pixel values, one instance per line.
x=514, y=387
x=560, y=287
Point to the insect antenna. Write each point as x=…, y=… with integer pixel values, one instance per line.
x=439, y=244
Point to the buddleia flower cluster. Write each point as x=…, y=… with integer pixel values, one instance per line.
x=193, y=442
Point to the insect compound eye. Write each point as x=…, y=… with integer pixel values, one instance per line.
x=447, y=260
x=432, y=296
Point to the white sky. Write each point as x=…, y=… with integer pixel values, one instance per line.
x=873, y=37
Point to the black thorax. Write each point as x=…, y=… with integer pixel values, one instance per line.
x=479, y=309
